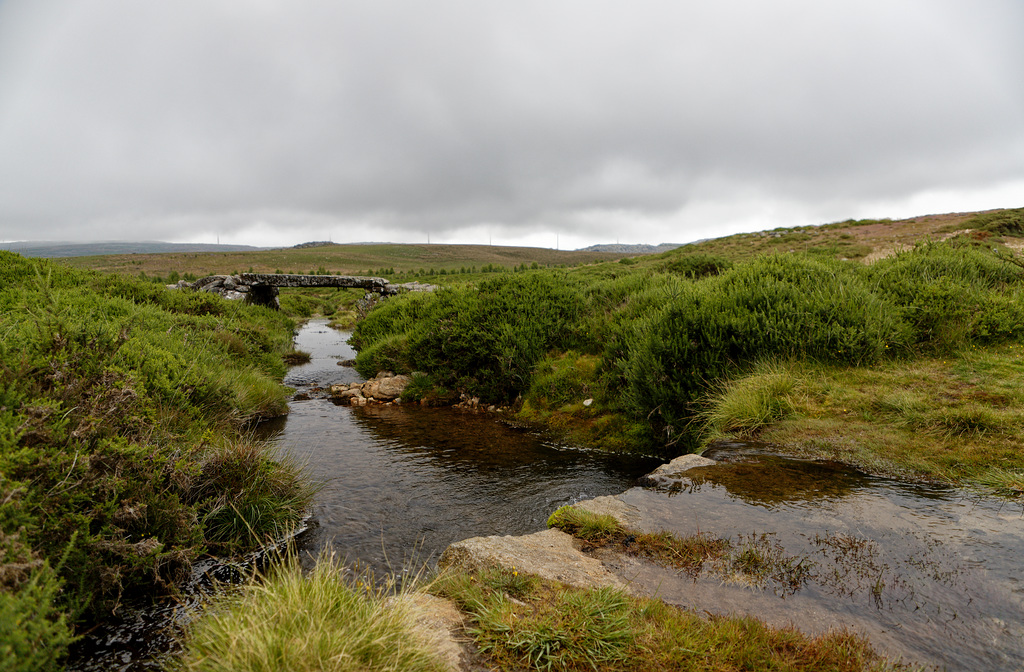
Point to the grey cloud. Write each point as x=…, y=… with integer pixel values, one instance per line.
x=524, y=115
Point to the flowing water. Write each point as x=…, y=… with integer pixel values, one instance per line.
x=402, y=482
x=928, y=573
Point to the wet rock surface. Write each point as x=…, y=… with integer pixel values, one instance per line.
x=385, y=387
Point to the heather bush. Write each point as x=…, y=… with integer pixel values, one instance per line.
x=116, y=397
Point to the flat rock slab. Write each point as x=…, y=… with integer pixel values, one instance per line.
x=551, y=554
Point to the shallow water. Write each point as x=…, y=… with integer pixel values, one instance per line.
x=403, y=482
x=400, y=484
x=929, y=573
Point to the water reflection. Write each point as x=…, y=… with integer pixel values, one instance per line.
x=404, y=481
x=926, y=572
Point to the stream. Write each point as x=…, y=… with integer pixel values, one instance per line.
x=931, y=574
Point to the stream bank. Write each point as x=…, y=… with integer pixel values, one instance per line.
x=929, y=574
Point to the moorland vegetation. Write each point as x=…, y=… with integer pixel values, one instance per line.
x=124, y=407
x=802, y=348
x=124, y=450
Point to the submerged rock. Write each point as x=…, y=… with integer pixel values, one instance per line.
x=671, y=474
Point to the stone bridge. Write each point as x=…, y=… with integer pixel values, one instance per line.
x=262, y=288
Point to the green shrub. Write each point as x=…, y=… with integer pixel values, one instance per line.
x=698, y=265
x=1000, y=223
x=484, y=341
x=34, y=633
x=780, y=306
x=566, y=378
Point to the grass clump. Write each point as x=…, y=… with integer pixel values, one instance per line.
x=328, y=620
x=747, y=404
x=585, y=524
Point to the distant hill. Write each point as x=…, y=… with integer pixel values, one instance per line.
x=616, y=248
x=54, y=249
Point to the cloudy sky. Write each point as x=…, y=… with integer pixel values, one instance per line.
x=567, y=122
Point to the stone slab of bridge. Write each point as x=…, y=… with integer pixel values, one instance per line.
x=262, y=288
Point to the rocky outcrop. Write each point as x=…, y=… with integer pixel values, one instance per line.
x=551, y=554
x=385, y=387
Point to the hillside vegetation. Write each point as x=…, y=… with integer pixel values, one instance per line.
x=660, y=347
x=123, y=449
x=395, y=261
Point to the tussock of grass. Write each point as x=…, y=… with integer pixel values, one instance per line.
x=585, y=524
x=1004, y=481
x=747, y=404
x=248, y=495
x=327, y=621
x=296, y=357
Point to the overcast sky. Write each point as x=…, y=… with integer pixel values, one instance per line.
x=515, y=122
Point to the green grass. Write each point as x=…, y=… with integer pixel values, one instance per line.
x=326, y=621
x=746, y=405
x=398, y=263
x=957, y=418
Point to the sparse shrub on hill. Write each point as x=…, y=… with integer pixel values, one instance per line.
x=953, y=293
x=1000, y=223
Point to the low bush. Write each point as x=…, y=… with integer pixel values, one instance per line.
x=33, y=632
x=483, y=340
x=1001, y=223
x=698, y=265
x=953, y=293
